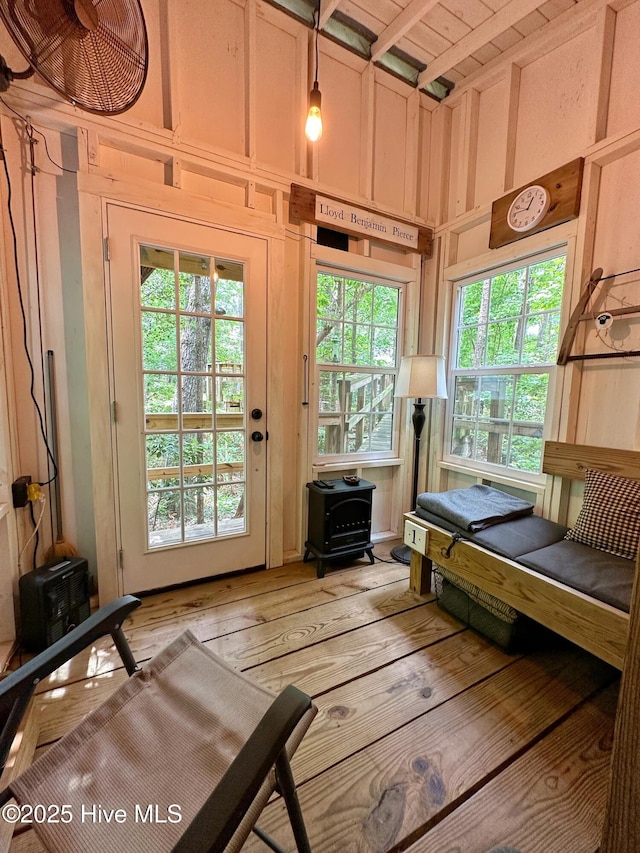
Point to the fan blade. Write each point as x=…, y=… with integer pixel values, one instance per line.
x=92, y=52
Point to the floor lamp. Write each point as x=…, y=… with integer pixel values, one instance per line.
x=421, y=377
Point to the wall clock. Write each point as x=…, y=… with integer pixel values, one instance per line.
x=540, y=204
x=528, y=208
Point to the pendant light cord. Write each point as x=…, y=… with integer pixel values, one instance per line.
x=316, y=26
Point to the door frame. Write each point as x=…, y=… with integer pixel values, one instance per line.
x=94, y=194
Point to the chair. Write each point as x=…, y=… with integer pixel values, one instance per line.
x=182, y=757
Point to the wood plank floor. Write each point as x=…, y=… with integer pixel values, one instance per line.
x=428, y=738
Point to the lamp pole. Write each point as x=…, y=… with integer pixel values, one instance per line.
x=418, y=418
x=421, y=377
x=402, y=553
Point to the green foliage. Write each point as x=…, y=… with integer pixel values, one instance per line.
x=512, y=318
x=160, y=349
x=357, y=322
x=158, y=289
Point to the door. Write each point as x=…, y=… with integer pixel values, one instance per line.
x=188, y=306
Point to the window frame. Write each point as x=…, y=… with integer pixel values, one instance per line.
x=488, y=470
x=357, y=459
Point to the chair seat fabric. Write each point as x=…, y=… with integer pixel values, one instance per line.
x=136, y=771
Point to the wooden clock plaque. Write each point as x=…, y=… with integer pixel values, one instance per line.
x=564, y=186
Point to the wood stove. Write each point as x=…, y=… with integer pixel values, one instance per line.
x=339, y=521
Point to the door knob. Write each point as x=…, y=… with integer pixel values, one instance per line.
x=256, y=414
x=257, y=436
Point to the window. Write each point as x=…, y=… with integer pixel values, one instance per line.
x=193, y=374
x=505, y=345
x=357, y=350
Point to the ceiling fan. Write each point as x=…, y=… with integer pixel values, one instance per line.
x=94, y=53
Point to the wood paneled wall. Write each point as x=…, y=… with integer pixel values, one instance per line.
x=565, y=94
x=218, y=134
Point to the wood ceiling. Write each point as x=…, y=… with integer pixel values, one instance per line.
x=432, y=44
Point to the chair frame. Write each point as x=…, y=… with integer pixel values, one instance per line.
x=17, y=688
x=222, y=812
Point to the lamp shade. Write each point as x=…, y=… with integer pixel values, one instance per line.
x=422, y=376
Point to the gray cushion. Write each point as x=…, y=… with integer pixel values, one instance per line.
x=514, y=538
x=596, y=573
x=509, y=539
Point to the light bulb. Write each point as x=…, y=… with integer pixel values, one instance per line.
x=313, y=127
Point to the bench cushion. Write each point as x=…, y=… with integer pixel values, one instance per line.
x=596, y=573
x=509, y=539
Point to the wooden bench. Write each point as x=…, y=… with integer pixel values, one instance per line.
x=595, y=626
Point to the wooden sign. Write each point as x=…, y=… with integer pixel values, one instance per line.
x=564, y=186
x=306, y=205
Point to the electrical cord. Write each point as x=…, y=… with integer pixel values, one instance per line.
x=381, y=560
x=40, y=133
x=43, y=500
x=25, y=338
x=34, y=562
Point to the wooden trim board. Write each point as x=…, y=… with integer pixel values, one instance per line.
x=572, y=460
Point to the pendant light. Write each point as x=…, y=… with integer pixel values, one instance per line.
x=313, y=127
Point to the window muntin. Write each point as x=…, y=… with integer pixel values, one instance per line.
x=192, y=326
x=357, y=354
x=505, y=345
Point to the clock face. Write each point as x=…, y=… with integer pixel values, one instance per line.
x=528, y=208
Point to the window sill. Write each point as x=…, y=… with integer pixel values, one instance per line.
x=537, y=486
x=349, y=464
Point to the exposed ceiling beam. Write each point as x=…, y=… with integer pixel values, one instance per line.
x=477, y=38
x=400, y=25
x=326, y=10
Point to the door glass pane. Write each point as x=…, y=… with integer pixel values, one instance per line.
x=195, y=343
x=231, y=508
x=229, y=346
x=165, y=511
x=160, y=395
x=199, y=513
x=230, y=456
x=197, y=456
x=157, y=290
x=192, y=342
x=194, y=283
x=159, y=334
x=229, y=279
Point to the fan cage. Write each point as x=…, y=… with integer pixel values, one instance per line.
x=102, y=68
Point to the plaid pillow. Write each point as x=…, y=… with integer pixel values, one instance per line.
x=610, y=516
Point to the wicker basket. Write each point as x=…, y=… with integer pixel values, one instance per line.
x=484, y=613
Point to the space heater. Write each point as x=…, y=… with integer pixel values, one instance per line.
x=53, y=600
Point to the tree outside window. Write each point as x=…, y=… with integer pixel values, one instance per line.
x=506, y=341
x=356, y=359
